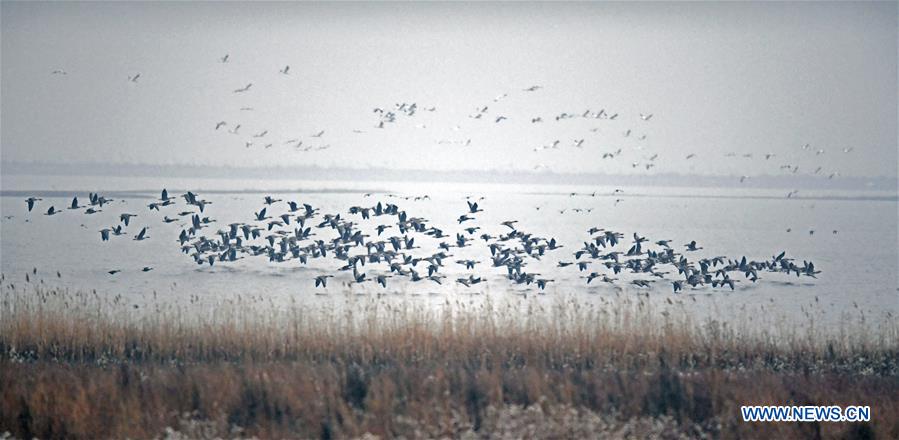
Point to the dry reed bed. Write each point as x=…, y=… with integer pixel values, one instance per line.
x=76, y=365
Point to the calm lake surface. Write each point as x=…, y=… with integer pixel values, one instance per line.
x=858, y=262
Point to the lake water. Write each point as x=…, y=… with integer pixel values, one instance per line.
x=858, y=263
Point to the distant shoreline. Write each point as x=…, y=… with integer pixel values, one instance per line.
x=152, y=193
x=375, y=175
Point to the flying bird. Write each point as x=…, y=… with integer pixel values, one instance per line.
x=30, y=201
x=322, y=280
x=142, y=235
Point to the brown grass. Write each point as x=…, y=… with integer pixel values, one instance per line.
x=75, y=366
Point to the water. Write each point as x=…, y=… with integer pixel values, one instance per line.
x=858, y=262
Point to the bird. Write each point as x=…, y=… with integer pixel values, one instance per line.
x=322, y=280
x=142, y=235
x=285, y=70
x=224, y=59
x=244, y=89
x=319, y=134
x=509, y=224
x=691, y=246
x=58, y=72
x=220, y=124
x=134, y=78
x=30, y=201
x=146, y=269
x=52, y=211
x=125, y=218
x=645, y=117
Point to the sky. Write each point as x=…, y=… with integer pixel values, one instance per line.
x=721, y=80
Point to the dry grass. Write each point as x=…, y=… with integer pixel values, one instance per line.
x=76, y=366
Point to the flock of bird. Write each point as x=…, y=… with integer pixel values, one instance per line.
x=287, y=231
x=627, y=142
x=380, y=241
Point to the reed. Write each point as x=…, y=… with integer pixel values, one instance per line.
x=76, y=365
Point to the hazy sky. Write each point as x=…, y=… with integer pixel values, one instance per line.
x=718, y=77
